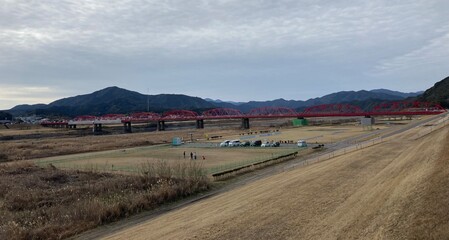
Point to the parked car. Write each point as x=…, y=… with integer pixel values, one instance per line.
x=266, y=144
x=234, y=143
x=319, y=146
x=224, y=143
x=302, y=143
x=276, y=144
x=256, y=143
x=245, y=144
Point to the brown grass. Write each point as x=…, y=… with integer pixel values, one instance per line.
x=38, y=142
x=215, y=159
x=393, y=190
x=431, y=209
x=49, y=203
x=45, y=146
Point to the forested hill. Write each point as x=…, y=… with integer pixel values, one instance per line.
x=438, y=93
x=119, y=100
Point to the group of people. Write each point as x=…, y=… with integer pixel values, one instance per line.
x=193, y=156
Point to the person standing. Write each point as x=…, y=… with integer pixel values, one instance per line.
x=191, y=155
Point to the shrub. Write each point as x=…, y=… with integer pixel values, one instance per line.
x=49, y=203
x=3, y=157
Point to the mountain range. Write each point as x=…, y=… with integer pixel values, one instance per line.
x=113, y=100
x=118, y=100
x=361, y=97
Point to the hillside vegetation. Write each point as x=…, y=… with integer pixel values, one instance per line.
x=113, y=100
x=118, y=100
x=5, y=116
x=438, y=93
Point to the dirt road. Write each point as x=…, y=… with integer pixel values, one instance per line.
x=394, y=190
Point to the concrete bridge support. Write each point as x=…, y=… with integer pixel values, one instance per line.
x=161, y=125
x=245, y=123
x=200, y=123
x=127, y=127
x=367, y=122
x=98, y=128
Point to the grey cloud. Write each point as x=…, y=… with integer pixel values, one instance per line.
x=202, y=44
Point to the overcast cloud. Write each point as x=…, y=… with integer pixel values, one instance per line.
x=228, y=49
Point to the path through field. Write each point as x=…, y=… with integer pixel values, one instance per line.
x=394, y=190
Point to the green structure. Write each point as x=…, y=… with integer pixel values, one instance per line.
x=177, y=141
x=300, y=122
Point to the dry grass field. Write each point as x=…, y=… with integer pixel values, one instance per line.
x=215, y=159
x=27, y=129
x=49, y=203
x=37, y=142
x=321, y=134
x=130, y=160
x=22, y=142
x=394, y=190
x=47, y=146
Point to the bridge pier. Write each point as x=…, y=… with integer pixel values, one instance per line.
x=127, y=127
x=200, y=123
x=367, y=122
x=245, y=123
x=161, y=125
x=98, y=128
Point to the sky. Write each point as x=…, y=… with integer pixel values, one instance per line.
x=221, y=49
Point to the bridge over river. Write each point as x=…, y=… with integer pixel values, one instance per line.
x=403, y=108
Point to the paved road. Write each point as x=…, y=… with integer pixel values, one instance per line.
x=249, y=178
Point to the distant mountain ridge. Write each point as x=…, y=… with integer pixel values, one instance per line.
x=338, y=97
x=220, y=101
x=118, y=100
x=114, y=100
x=396, y=93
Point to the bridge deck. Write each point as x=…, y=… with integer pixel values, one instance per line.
x=194, y=118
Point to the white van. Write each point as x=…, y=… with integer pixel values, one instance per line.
x=234, y=143
x=224, y=143
x=302, y=143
